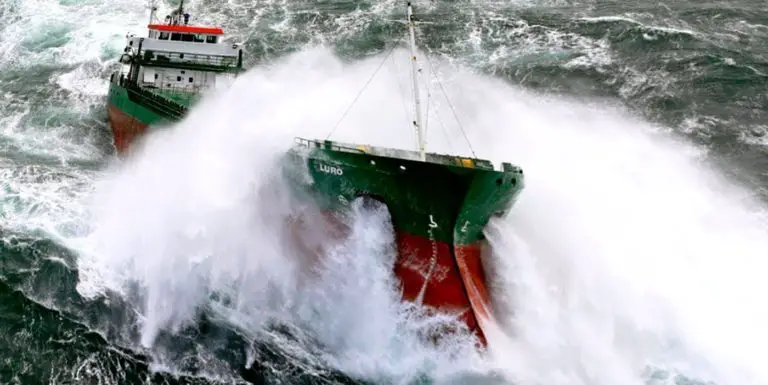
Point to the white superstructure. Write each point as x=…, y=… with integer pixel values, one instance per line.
x=177, y=60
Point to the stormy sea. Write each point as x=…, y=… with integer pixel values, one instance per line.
x=634, y=255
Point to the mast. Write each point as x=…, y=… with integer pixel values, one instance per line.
x=415, y=69
x=176, y=16
x=152, y=11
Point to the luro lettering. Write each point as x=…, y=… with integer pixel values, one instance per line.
x=331, y=170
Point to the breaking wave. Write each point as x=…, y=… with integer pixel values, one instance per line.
x=604, y=270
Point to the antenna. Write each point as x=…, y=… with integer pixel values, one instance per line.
x=414, y=67
x=152, y=11
x=175, y=18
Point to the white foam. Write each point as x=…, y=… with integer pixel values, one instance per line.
x=199, y=209
x=625, y=249
x=622, y=252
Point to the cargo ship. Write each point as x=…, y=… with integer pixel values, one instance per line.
x=439, y=204
x=164, y=73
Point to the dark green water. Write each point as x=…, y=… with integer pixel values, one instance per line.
x=698, y=69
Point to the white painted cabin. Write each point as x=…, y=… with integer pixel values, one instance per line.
x=180, y=61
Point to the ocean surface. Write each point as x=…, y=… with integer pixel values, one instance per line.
x=635, y=255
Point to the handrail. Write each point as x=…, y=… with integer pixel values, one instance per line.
x=163, y=106
x=200, y=65
x=327, y=145
x=447, y=160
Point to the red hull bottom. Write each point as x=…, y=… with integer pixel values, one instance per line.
x=125, y=128
x=448, y=282
x=430, y=273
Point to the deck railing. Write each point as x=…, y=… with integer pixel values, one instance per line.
x=327, y=144
x=448, y=160
x=161, y=105
x=191, y=61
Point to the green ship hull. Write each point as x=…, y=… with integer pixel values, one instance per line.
x=131, y=111
x=438, y=208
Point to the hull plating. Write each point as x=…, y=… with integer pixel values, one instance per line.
x=438, y=212
x=431, y=275
x=125, y=129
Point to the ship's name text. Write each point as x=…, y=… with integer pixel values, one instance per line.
x=330, y=169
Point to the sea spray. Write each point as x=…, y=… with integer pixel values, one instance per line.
x=628, y=254
x=199, y=218
x=602, y=260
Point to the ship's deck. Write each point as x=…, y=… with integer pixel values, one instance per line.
x=443, y=159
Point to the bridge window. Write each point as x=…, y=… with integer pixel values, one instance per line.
x=211, y=39
x=164, y=35
x=176, y=36
x=187, y=37
x=199, y=38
